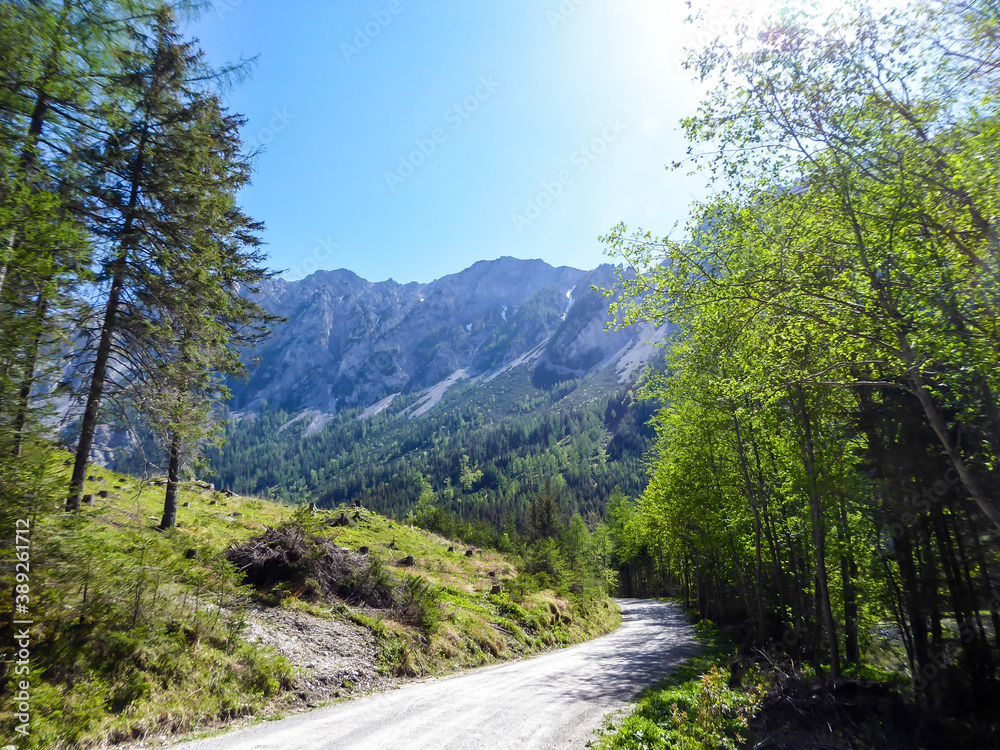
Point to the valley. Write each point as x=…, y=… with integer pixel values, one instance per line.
x=246, y=474
x=377, y=392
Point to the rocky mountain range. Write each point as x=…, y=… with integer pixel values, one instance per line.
x=351, y=343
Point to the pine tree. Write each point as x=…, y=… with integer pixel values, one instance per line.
x=213, y=321
x=175, y=244
x=57, y=61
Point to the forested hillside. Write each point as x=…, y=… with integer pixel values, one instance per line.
x=483, y=454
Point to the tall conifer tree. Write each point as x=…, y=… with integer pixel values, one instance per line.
x=176, y=246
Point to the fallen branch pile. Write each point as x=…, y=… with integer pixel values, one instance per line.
x=288, y=562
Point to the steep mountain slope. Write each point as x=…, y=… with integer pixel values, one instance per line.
x=349, y=342
x=483, y=454
x=475, y=392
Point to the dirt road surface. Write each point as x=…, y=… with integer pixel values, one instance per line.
x=549, y=702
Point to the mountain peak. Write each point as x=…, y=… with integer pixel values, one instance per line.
x=350, y=342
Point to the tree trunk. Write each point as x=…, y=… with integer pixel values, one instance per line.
x=929, y=583
x=173, y=475
x=38, y=114
x=987, y=583
x=952, y=450
x=108, y=329
x=918, y=627
x=687, y=583
x=28, y=381
x=848, y=575
x=970, y=586
x=96, y=392
x=755, y=510
x=951, y=566
x=819, y=540
x=899, y=606
x=799, y=578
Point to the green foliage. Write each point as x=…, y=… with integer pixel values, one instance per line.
x=121, y=241
x=699, y=713
x=827, y=449
x=127, y=628
x=177, y=250
x=420, y=601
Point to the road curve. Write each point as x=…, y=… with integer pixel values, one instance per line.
x=548, y=702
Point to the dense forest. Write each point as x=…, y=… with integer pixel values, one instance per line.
x=483, y=454
x=826, y=462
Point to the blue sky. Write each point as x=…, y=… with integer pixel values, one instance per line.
x=410, y=139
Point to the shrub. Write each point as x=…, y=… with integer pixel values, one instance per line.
x=419, y=602
x=701, y=714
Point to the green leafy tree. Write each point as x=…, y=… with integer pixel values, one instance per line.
x=837, y=307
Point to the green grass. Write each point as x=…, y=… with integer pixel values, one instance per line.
x=137, y=631
x=462, y=623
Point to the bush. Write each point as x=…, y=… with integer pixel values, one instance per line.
x=419, y=602
x=701, y=714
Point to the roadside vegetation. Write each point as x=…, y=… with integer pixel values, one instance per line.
x=730, y=697
x=698, y=706
x=139, y=632
x=824, y=483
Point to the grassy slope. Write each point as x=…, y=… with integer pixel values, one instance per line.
x=470, y=626
x=134, y=637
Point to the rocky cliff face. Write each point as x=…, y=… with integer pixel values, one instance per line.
x=350, y=342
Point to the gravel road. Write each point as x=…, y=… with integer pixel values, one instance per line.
x=548, y=702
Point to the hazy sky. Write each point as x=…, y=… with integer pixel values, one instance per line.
x=409, y=139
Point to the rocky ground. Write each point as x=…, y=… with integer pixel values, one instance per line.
x=336, y=658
